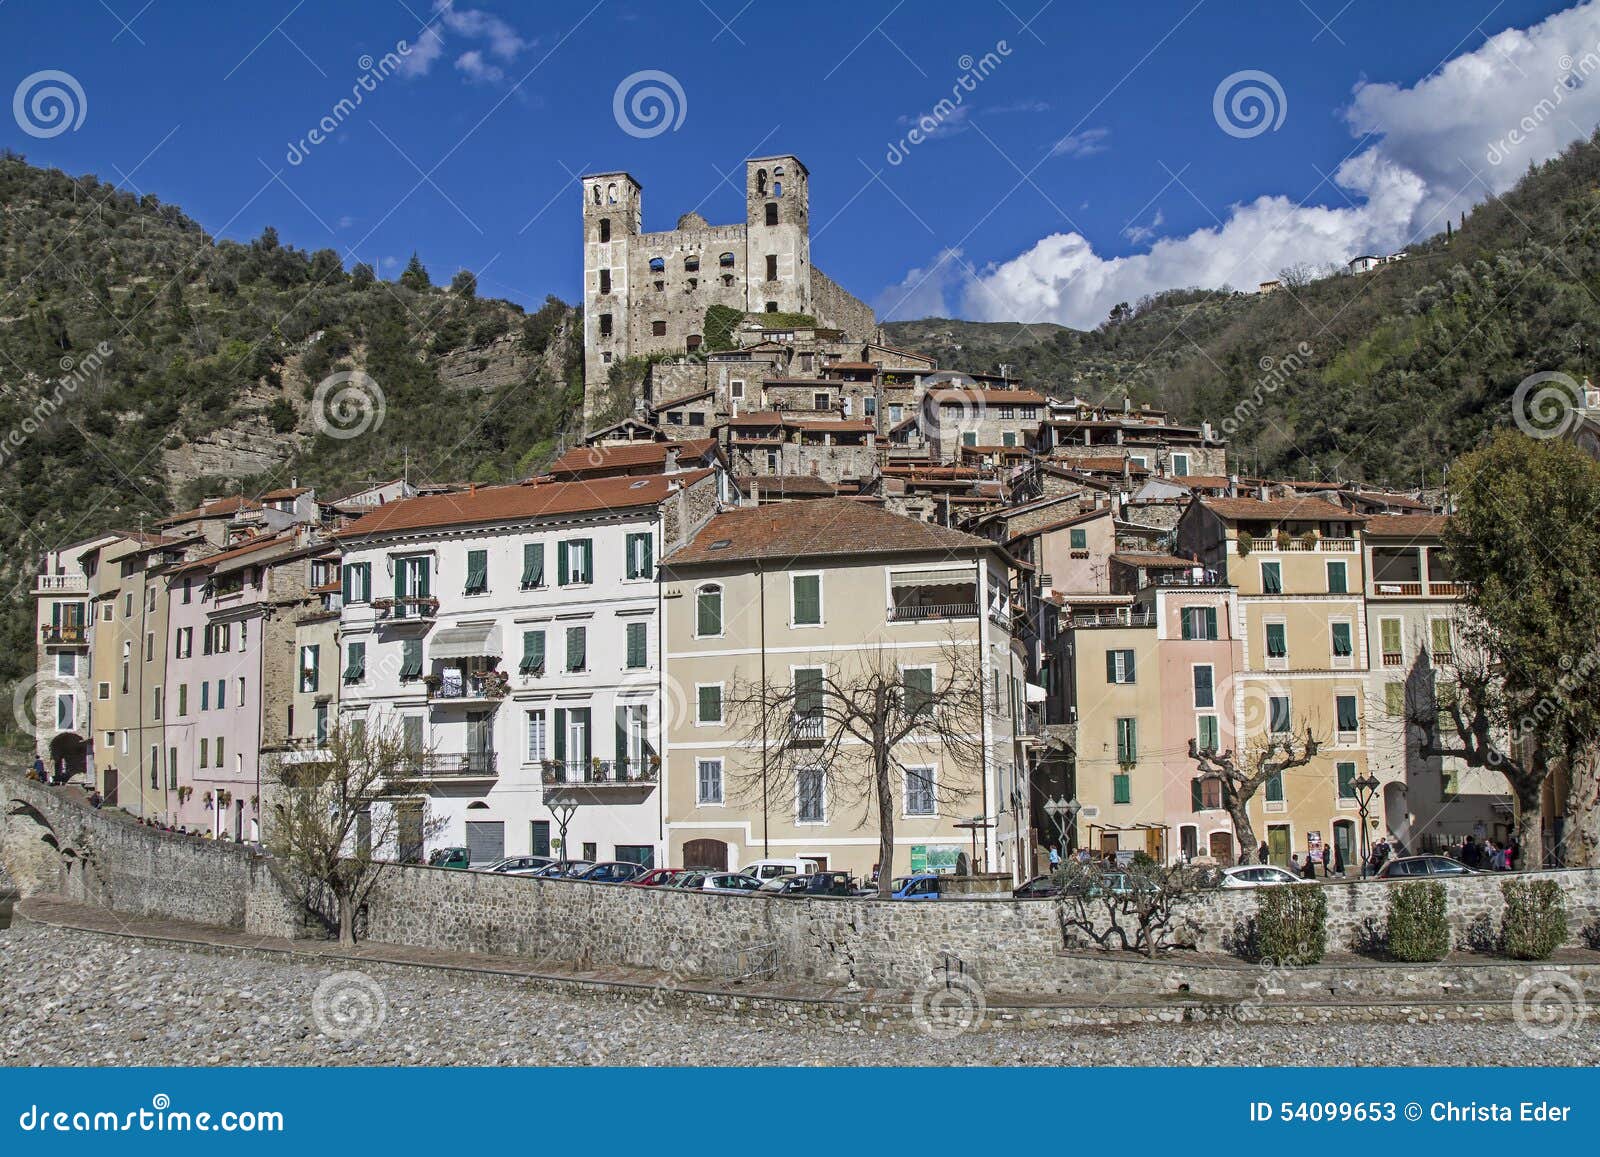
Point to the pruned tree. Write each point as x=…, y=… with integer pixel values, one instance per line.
x=859, y=731
x=1525, y=548
x=1246, y=771
x=1137, y=909
x=338, y=815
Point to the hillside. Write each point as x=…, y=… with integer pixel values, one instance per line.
x=1408, y=366
x=144, y=364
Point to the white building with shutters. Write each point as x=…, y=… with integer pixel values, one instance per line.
x=513, y=633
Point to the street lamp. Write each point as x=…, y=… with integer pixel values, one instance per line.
x=1366, y=787
x=1065, y=815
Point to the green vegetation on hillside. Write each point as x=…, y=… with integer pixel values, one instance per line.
x=126, y=333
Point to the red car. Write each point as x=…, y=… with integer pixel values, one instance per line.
x=657, y=877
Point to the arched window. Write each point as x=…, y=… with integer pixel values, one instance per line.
x=761, y=182
x=708, y=611
x=658, y=265
x=726, y=261
x=605, y=228
x=597, y=194
x=611, y=193
x=691, y=264
x=777, y=188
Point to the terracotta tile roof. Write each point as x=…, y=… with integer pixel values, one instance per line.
x=958, y=395
x=1406, y=525
x=826, y=527
x=587, y=459
x=1302, y=509
x=248, y=546
x=511, y=503
x=285, y=493
x=1103, y=465
x=758, y=418
x=222, y=507
x=1155, y=558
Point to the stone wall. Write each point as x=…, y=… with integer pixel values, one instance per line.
x=53, y=843
x=833, y=306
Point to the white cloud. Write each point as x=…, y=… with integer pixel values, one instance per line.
x=1085, y=144
x=1139, y=234
x=1466, y=132
x=922, y=292
x=500, y=40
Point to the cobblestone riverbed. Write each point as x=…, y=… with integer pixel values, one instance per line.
x=79, y=998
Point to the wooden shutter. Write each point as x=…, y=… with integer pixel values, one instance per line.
x=563, y=575
x=1111, y=666
x=587, y=547
x=636, y=645
x=622, y=739
x=533, y=564
x=348, y=574
x=1211, y=622
x=559, y=739
x=807, y=598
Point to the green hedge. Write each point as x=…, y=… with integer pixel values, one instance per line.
x=1535, y=920
x=1291, y=925
x=1418, y=929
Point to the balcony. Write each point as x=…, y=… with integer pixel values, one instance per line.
x=467, y=689
x=458, y=766
x=1447, y=590
x=407, y=609
x=1393, y=659
x=64, y=634
x=808, y=728
x=601, y=773
x=1381, y=589
x=923, y=612
x=1113, y=617
x=61, y=584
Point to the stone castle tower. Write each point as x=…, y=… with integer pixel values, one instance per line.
x=647, y=293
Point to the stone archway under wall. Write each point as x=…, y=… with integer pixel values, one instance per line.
x=31, y=849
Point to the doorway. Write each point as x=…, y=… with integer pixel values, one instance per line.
x=1344, y=843
x=1221, y=847
x=706, y=854
x=1278, y=844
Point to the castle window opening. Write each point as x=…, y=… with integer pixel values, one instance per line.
x=605, y=325
x=605, y=281
x=727, y=279
x=658, y=265
x=772, y=307
x=597, y=194
x=726, y=261
x=658, y=329
x=694, y=284
x=611, y=193
x=605, y=228
x=772, y=212
x=772, y=267
x=660, y=286
x=777, y=188
x=692, y=342
x=691, y=264
x=761, y=182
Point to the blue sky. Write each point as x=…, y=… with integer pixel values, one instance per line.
x=1088, y=164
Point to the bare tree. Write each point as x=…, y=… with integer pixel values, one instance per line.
x=1245, y=772
x=1138, y=909
x=854, y=728
x=338, y=815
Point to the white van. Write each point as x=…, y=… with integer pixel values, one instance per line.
x=771, y=869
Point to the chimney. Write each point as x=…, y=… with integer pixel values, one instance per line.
x=755, y=493
x=1233, y=486
x=671, y=464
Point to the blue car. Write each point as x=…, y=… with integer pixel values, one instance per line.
x=920, y=887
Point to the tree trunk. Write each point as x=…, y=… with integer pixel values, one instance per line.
x=347, y=921
x=1529, y=799
x=1244, y=832
x=885, y=824
x=1582, y=833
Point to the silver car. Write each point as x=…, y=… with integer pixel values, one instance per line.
x=1259, y=876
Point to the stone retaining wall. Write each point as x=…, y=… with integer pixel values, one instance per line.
x=52, y=842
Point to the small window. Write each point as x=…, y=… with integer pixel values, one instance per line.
x=1275, y=788
x=1204, y=691
x=1338, y=581
x=1278, y=714
x=708, y=703
x=1272, y=578
x=1347, y=780
x=605, y=281
x=1119, y=666
x=708, y=781
x=805, y=600
x=1394, y=699
x=919, y=792
x=772, y=212
x=1277, y=641
x=658, y=329
x=658, y=265
x=577, y=649
x=637, y=647
x=605, y=229
x=1342, y=641
x=726, y=261
x=1199, y=622
x=772, y=307
x=1348, y=720
x=810, y=792
x=1205, y=733
x=605, y=325
x=477, y=572
x=1180, y=465
x=708, y=612
x=691, y=264
x=1127, y=742
x=772, y=267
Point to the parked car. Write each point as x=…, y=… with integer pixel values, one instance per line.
x=731, y=883
x=790, y=885
x=521, y=865
x=611, y=872
x=1259, y=876
x=923, y=886
x=1407, y=867
x=1038, y=888
x=459, y=859
x=812, y=884
x=658, y=877
x=690, y=879
x=771, y=869
x=564, y=869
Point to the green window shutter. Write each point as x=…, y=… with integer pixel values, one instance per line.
x=918, y=690
x=1278, y=713
x=636, y=645
x=347, y=573
x=1277, y=642
x=1187, y=620
x=1111, y=666
x=1389, y=631
x=1336, y=578
x=532, y=565
x=532, y=653
x=411, y=659
x=1275, y=788
x=577, y=649
x=563, y=572
x=1204, y=692
x=708, y=611
x=477, y=572
x=356, y=666
x=1341, y=640
x=1347, y=780
x=1077, y=539
x=709, y=707
x=559, y=726
x=1271, y=578
x=1127, y=741
x=807, y=594
x=423, y=577
x=1206, y=740
x=1394, y=698
x=366, y=582
x=399, y=578
x=1127, y=666
x=620, y=752
x=1122, y=788
x=1196, y=796
x=1211, y=622
x=808, y=691
x=586, y=557
x=411, y=732
x=1345, y=709
x=1439, y=631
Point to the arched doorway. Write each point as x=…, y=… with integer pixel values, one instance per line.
x=712, y=854
x=1220, y=845
x=69, y=751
